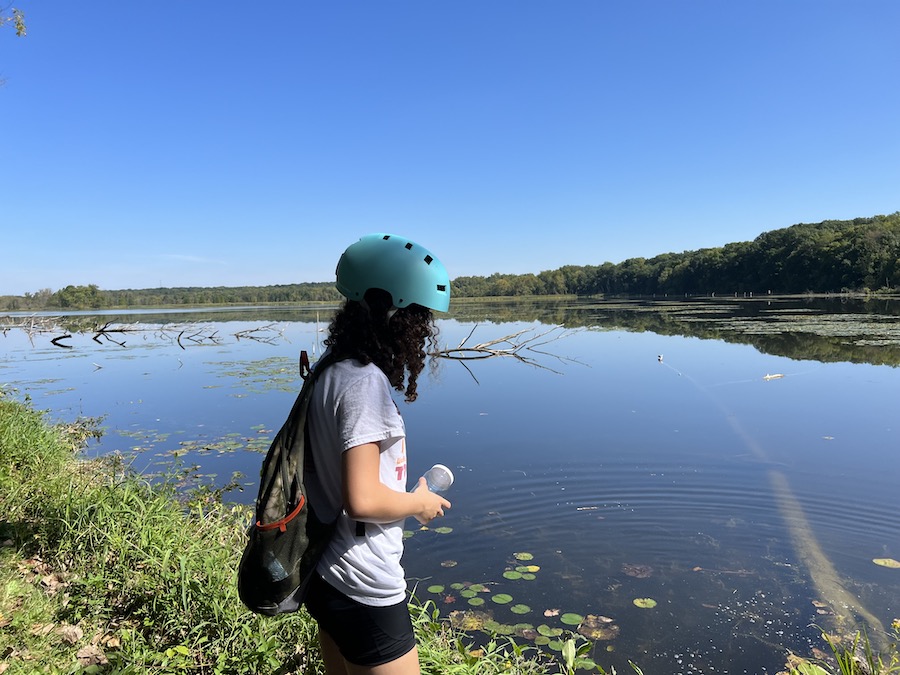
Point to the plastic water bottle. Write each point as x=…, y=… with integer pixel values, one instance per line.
x=439, y=478
x=274, y=567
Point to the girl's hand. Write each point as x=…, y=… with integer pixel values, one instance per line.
x=433, y=505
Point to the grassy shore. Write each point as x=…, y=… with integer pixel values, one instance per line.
x=102, y=571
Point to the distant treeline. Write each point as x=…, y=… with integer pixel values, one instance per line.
x=829, y=257
x=92, y=297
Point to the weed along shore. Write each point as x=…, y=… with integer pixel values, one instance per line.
x=104, y=571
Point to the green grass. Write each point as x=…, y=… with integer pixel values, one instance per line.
x=853, y=656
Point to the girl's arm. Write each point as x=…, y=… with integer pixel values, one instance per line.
x=367, y=498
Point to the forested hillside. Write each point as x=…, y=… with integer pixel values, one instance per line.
x=828, y=257
x=831, y=256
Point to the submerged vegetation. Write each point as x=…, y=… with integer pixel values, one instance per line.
x=829, y=257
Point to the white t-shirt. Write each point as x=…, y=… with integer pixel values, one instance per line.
x=352, y=405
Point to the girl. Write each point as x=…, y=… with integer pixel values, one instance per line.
x=358, y=445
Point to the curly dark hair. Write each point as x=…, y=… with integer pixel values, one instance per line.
x=395, y=342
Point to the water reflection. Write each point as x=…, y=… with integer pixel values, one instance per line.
x=823, y=329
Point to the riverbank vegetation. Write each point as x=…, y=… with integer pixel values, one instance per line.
x=829, y=257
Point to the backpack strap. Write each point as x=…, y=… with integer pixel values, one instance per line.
x=308, y=462
x=309, y=376
x=288, y=451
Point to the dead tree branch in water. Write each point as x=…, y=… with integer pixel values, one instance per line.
x=105, y=331
x=524, y=346
x=196, y=336
x=57, y=341
x=32, y=326
x=60, y=329
x=267, y=334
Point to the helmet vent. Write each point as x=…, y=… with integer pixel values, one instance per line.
x=386, y=237
x=409, y=246
x=428, y=259
x=442, y=288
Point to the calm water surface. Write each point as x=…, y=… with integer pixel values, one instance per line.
x=636, y=466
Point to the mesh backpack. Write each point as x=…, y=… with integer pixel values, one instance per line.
x=287, y=538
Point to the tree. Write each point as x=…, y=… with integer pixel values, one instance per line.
x=78, y=297
x=11, y=15
x=15, y=17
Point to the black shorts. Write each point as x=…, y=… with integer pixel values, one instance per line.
x=365, y=635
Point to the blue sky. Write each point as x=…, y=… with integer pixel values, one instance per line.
x=221, y=143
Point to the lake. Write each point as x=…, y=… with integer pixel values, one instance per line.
x=697, y=483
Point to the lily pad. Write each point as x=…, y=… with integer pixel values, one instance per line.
x=571, y=619
x=443, y=530
x=512, y=575
x=645, y=603
x=502, y=598
x=449, y=563
x=491, y=625
x=478, y=588
x=476, y=602
x=528, y=576
x=549, y=632
x=523, y=556
x=528, y=568
x=887, y=562
x=520, y=609
x=468, y=593
x=437, y=588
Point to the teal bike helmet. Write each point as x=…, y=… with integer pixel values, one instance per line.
x=409, y=272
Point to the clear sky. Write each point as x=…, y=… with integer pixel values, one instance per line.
x=207, y=143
